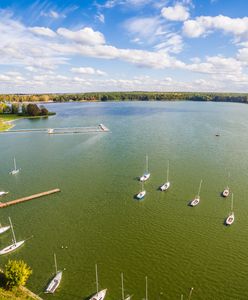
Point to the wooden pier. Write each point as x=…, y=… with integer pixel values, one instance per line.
x=24, y=199
x=67, y=130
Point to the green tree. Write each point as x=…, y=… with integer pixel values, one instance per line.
x=16, y=273
x=33, y=110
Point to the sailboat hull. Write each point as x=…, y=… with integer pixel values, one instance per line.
x=54, y=284
x=141, y=195
x=99, y=296
x=2, y=193
x=4, y=229
x=230, y=219
x=145, y=177
x=165, y=186
x=195, y=202
x=225, y=193
x=11, y=248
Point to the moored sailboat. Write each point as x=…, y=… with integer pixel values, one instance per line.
x=55, y=282
x=196, y=200
x=15, y=171
x=226, y=191
x=230, y=218
x=99, y=295
x=146, y=175
x=4, y=229
x=15, y=244
x=142, y=192
x=166, y=185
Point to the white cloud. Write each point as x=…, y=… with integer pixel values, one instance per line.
x=100, y=17
x=175, y=13
x=88, y=71
x=173, y=43
x=85, y=36
x=204, y=24
x=52, y=14
x=43, y=31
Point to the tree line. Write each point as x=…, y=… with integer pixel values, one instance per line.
x=128, y=96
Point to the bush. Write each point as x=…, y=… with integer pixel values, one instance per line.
x=33, y=110
x=16, y=273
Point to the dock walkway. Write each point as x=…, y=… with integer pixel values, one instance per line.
x=66, y=130
x=24, y=199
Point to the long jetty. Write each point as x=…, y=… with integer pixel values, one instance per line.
x=61, y=130
x=24, y=199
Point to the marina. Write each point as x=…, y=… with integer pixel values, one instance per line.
x=97, y=219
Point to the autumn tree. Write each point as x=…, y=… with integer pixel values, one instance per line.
x=16, y=273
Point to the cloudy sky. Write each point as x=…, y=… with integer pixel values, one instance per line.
x=123, y=45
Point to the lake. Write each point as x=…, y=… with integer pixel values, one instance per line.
x=96, y=219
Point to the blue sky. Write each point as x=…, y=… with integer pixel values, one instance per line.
x=123, y=45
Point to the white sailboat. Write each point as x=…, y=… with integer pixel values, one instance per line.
x=99, y=295
x=15, y=171
x=142, y=193
x=55, y=282
x=230, y=218
x=197, y=197
x=146, y=175
x=122, y=290
x=3, y=193
x=166, y=185
x=14, y=244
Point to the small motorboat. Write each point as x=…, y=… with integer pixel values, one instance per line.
x=226, y=192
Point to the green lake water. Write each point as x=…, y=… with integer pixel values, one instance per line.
x=95, y=218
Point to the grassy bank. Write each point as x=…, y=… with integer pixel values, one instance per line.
x=7, y=119
x=17, y=294
x=6, y=122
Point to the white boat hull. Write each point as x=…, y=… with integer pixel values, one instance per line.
x=55, y=282
x=11, y=248
x=14, y=172
x=2, y=193
x=141, y=195
x=99, y=296
x=145, y=177
x=230, y=219
x=165, y=186
x=225, y=193
x=195, y=202
x=4, y=229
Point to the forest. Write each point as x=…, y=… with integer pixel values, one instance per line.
x=127, y=96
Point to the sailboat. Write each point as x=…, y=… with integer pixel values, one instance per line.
x=166, y=185
x=146, y=175
x=15, y=171
x=142, y=193
x=230, y=218
x=122, y=289
x=226, y=191
x=3, y=193
x=15, y=244
x=99, y=295
x=55, y=282
x=197, y=197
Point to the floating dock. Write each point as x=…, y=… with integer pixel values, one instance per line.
x=90, y=129
x=35, y=196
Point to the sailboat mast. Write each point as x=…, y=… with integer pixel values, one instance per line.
x=199, y=188
x=122, y=287
x=15, y=163
x=96, y=280
x=168, y=171
x=232, y=204
x=146, y=163
x=55, y=263
x=146, y=289
x=13, y=234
